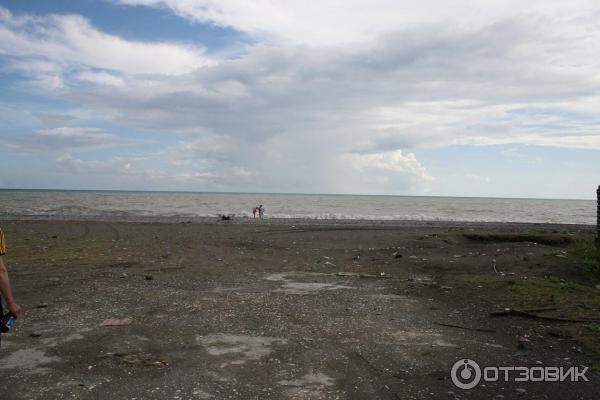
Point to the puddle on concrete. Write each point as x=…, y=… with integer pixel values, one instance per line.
x=291, y=286
x=239, y=348
x=31, y=360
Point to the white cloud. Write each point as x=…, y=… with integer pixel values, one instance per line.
x=76, y=165
x=102, y=78
x=53, y=120
x=59, y=139
x=341, y=22
x=63, y=42
x=390, y=161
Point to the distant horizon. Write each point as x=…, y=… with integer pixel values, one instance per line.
x=283, y=193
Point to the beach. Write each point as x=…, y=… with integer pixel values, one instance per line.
x=293, y=308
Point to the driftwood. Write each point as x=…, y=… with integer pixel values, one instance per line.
x=530, y=313
x=466, y=328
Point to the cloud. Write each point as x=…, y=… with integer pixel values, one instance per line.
x=53, y=120
x=59, y=139
x=75, y=165
x=56, y=44
x=125, y=170
x=102, y=78
x=328, y=87
x=335, y=22
x=413, y=88
x=391, y=161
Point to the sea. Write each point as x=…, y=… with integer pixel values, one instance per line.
x=178, y=206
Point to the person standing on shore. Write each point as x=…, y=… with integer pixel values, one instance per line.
x=254, y=210
x=261, y=211
x=5, y=289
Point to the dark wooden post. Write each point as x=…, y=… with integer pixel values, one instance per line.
x=598, y=217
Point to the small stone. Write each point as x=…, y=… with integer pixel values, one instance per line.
x=35, y=334
x=42, y=305
x=149, y=278
x=520, y=390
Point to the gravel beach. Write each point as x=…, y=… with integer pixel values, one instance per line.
x=293, y=309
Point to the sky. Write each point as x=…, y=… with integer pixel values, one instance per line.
x=495, y=98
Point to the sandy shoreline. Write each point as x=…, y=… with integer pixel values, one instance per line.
x=283, y=309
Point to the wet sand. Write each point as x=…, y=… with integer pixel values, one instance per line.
x=290, y=309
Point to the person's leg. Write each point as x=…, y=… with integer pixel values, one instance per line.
x=1, y=315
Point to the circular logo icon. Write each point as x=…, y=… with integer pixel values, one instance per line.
x=466, y=374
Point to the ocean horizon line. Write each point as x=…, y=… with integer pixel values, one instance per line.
x=284, y=194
